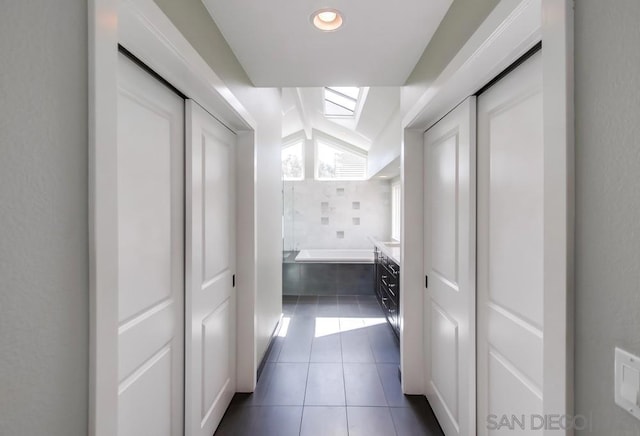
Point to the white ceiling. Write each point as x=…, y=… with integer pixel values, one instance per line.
x=378, y=45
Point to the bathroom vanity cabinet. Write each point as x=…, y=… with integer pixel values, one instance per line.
x=387, y=287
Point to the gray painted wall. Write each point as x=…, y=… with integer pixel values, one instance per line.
x=457, y=26
x=44, y=297
x=43, y=212
x=607, y=63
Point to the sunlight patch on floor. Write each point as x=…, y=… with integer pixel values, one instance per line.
x=369, y=322
x=326, y=326
x=284, y=327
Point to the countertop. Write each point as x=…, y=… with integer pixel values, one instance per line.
x=392, y=253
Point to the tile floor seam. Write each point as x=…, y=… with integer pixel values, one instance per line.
x=344, y=381
x=387, y=400
x=401, y=417
x=393, y=421
x=384, y=391
x=306, y=386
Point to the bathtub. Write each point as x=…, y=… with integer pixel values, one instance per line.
x=328, y=272
x=335, y=256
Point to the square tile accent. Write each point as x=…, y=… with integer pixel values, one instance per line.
x=324, y=220
x=356, y=221
x=340, y=234
x=306, y=202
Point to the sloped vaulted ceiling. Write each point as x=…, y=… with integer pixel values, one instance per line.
x=303, y=111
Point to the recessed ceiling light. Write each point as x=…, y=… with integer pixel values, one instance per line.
x=327, y=20
x=327, y=16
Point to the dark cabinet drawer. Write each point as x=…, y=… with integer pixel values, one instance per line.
x=390, y=284
x=390, y=308
x=387, y=288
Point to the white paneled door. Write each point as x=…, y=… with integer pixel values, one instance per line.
x=449, y=225
x=210, y=264
x=510, y=250
x=151, y=255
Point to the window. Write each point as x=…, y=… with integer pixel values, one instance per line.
x=396, y=209
x=293, y=161
x=338, y=163
x=341, y=101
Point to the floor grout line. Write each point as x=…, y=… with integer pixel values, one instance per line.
x=356, y=310
x=304, y=398
x=344, y=378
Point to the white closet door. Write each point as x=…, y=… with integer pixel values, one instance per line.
x=510, y=249
x=211, y=300
x=449, y=214
x=151, y=255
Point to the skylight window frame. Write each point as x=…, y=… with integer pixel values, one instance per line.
x=335, y=90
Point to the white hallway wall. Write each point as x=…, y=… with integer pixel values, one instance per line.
x=44, y=267
x=386, y=147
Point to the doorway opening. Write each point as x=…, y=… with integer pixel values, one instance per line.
x=334, y=364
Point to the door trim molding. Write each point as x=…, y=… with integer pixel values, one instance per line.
x=510, y=30
x=144, y=30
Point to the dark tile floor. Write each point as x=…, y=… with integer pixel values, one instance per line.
x=332, y=370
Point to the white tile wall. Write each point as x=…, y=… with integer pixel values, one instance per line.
x=315, y=214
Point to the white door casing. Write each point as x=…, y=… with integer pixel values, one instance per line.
x=210, y=265
x=150, y=187
x=510, y=248
x=449, y=254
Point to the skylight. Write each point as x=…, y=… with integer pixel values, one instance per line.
x=341, y=101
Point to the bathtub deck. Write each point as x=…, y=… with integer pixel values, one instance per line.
x=335, y=256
